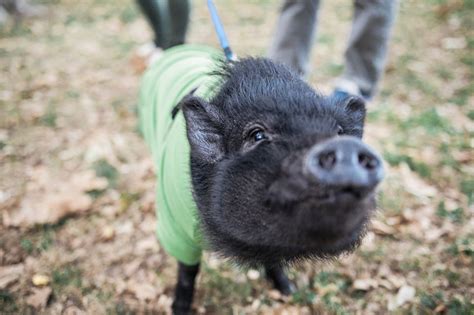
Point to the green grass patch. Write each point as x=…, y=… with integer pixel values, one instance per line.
x=395, y=159
x=8, y=304
x=430, y=120
x=453, y=278
x=444, y=72
x=464, y=245
x=330, y=299
x=120, y=308
x=67, y=276
x=324, y=278
x=461, y=95
x=410, y=264
x=104, y=169
x=39, y=241
x=457, y=215
x=372, y=256
x=220, y=290
x=467, y=188
x=413, y=81
x=49, y=117
x=304, y=296
x=129, y=14
x=470, y=114
x=429, y=302
x=333, y=69
x=333, y=304
x=468, y=60
x=325, y=39
x=458, y=306
x=73, y=94
x=454, y=306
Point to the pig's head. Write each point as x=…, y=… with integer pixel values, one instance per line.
x=279, y=172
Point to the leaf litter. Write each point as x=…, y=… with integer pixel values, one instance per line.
x=77, y=183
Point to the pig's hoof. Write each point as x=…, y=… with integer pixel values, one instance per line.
x=280, y=280
x=184, y=311
x=181, y=308
x=285, y=287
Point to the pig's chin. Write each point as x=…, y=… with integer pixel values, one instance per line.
x=334, y=220
x=329, y=224
x=315, y=228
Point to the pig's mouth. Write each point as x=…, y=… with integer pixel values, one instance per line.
x=334, y=219
x=341, y=194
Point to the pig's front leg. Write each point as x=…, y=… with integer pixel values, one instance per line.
x=278, y=277
x=184, y=289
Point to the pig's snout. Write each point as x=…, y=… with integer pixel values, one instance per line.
x=345, y=163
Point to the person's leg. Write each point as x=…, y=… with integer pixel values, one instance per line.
x=179, y=11
x=294, y=34
x=152, y=10
x=367, y=46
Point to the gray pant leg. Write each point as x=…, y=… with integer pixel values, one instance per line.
x=179, y=12
x=169, y=20
x=367, y=47
x=295, y=34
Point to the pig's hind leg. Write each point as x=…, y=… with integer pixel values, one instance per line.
x=279, y=279
x=184, y=289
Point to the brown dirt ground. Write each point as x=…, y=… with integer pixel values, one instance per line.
x=69, y=142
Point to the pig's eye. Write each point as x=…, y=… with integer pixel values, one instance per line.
x=340, y=130
x=258, y=135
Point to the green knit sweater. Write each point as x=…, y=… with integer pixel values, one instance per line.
x=180, y=70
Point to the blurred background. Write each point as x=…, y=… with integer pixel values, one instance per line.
x=77, y=184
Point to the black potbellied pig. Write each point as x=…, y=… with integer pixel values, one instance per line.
x=279, y=172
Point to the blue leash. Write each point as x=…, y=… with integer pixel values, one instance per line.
x=230, y=56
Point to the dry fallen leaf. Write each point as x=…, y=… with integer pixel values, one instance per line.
x=164, y=302
x=454, y=43
x=10, y=274
x=253, y=274
x=47, y=203
x=395, y=280
x=405, y=294
x=108, y=233
x=414, y=184
x=39, y=298
x=330, y=288
x=440, y=308
x=364, y=284
x=73, y=310
x=148, y=244
x=287, y=310
x=274, y=294
x=143, y=291
x=381, y=228
x=40, y=280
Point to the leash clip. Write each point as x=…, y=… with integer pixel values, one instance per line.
x=219, y=28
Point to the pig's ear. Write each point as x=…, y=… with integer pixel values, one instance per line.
x=202, y=128
x=355, y=106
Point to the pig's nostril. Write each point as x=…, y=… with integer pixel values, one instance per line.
x=368, y=161
x=327, y=160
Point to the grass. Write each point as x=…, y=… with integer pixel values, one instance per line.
x=39, y=241
x=456, y=215
x=104, y=169
x=67, y=276
x=421, y=120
